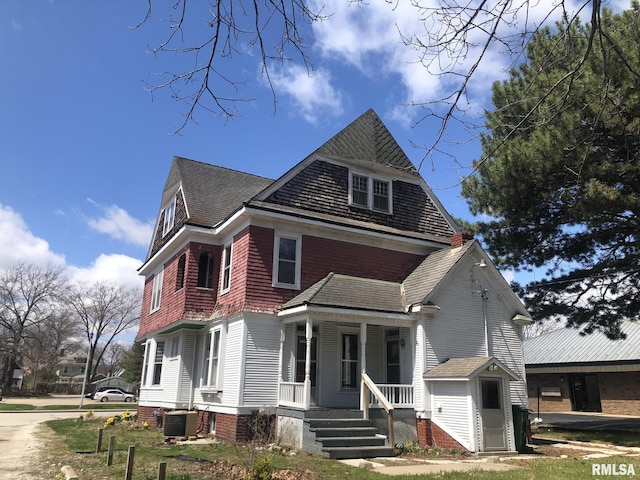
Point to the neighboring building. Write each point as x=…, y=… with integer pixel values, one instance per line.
x=70, y=368
x=568, y=370
x=289, y=296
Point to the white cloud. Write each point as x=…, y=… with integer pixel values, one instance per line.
x=312, y=92
x=18, y=244
x=369, y=37
x=117, y=223
x=118, y=268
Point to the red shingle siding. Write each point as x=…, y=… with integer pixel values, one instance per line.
x=233, y=301
x=321, y=256
x=189, y=301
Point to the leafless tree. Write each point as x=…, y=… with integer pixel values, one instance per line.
x=45, y=342
x=212, y=35
x=455, y=41
x=113, y=357
x=29, y=296
x=540, y=328
x=104, y=310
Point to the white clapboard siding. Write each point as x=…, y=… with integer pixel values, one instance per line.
x=457, y=329
x=187, y=381
x=506, y=346
x=261, y=361
x=232, y=350
x=452, y=410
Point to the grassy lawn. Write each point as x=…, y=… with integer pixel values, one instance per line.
x=14, y=406
x=75, y=442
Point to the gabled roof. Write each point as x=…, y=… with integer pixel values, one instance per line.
x=422, y=282
x=344, y=291
x=367, y=138
x=212, y=193
x=568, y=345
x=467, y=368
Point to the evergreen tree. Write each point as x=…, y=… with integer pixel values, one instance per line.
x=559, y=179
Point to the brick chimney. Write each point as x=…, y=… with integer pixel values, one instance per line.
x=460, y=238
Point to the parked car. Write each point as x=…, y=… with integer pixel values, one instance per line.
x=102, y=389
x=113, y=395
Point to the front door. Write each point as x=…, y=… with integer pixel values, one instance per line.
x=301, y=356
x=493, y=414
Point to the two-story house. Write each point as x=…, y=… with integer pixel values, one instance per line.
x=343, y=286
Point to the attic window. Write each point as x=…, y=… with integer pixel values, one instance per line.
x=169, y=216
x=369, y=192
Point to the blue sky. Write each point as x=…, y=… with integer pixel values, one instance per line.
x=85, y=149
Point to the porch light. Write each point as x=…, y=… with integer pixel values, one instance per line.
x=481, y=263
x=492, y=368
x=402, y=342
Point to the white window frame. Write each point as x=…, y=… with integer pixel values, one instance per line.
x=370, y=183
x=145, y=365
x=276, y=260
x=226, y=267
x=211, y=361
x=156, y=291
x=155, y=363
x=169, y=217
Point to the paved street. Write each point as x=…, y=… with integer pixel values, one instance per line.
x=21, y=434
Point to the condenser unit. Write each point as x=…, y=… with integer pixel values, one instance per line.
x=180, y=423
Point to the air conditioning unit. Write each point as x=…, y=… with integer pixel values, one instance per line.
x=180, y=423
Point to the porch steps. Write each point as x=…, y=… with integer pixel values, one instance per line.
x=342, y=438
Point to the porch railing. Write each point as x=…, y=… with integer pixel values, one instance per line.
x=370, y=388
x=400, y=396
x=292, y=394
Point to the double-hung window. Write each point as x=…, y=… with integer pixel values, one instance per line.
x=369, y=192
x=169, y=216
x=226, y=268
x=211, y=361
x=157, y=363
x=286, y=261
x=156, y=292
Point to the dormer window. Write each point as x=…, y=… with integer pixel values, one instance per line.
x=169, y=216
x=369, y=192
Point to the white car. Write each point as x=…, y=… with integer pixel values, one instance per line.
x=113, y=395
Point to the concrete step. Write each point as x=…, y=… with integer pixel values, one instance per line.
x=358, y=452
x=339, y=423
x=345, y=432
x=369, y=441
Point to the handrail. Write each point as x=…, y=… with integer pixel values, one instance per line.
x=369, y=386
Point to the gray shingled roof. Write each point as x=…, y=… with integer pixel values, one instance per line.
x=568, y=346
x=464, y=368
x=420, y=283
x=367, y=138
x=213, y=193
x=344, y=291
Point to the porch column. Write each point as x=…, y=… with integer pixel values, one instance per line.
x=363, y=364
x=307, y=364
x=281, y=354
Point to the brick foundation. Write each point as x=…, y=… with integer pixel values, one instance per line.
x=431, y=434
